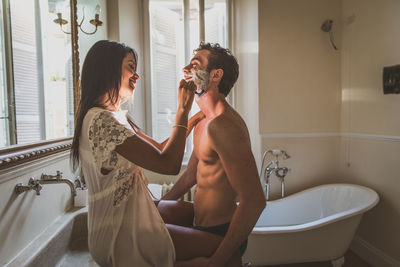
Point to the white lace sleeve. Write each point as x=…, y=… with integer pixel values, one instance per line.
x=105, y=133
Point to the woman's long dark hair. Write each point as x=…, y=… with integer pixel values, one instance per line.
x=101, y=75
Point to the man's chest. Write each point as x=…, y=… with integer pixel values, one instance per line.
x=202, y=144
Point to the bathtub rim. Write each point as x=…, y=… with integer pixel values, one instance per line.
x=260, y=230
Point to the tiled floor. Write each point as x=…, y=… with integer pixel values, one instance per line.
x=350, y=260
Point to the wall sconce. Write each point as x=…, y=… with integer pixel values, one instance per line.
x=96, y=21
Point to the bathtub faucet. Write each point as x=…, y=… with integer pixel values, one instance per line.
x=273, y=168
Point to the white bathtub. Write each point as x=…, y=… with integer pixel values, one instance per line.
x=317, y=224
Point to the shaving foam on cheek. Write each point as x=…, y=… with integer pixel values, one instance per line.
x=202, y=79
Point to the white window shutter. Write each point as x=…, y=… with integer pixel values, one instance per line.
x=164, y=66
x=215, y=23
x=26, y=74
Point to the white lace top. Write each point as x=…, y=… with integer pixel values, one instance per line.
x=125, y=227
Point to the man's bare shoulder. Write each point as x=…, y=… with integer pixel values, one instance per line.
x=228, y=127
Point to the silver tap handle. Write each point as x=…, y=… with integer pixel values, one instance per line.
x=48, y=176
x=77, y=183
x=281, y=172
x=285, y=155
x=20, y=188
x=35, y=185
x=32, y=184
x=31, y=181
x=37, y=188
x=279, y=152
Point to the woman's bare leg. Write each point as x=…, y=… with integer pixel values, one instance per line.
x=176, y=212
x=191, y=243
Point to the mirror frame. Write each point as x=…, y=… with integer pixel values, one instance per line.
x=18, y=154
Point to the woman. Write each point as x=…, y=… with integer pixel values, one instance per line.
x=125, y=227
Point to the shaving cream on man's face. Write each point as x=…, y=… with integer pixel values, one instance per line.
x=202, y=79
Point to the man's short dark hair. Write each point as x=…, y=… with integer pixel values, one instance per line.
x=222, y=58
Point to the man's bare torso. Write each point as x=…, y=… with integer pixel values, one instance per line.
x=214, y=199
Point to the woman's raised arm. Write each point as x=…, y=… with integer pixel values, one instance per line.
x=191, y=124
x=166, y=157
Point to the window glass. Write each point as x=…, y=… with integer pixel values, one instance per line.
x=215, y=21
x=26, y=72
x=194, y=25
x=58, y=80
x=41, y=57
x=167, y=60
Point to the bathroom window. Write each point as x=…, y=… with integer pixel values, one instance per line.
x=175, y=31
x=36, y=73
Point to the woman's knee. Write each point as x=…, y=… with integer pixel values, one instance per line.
x=190, y=243
x=176, y=212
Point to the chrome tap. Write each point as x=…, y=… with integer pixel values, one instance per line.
x=57, y=179
x=47, y=176
x=273, y=168
x=32, y=184
x=36, y=184
x=281, y=173
x=267, y=173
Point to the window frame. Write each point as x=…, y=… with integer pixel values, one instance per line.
x=18, y=154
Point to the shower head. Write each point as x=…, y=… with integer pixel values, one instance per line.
x=327, y=25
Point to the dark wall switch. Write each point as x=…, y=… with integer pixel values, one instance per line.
x=391, y=80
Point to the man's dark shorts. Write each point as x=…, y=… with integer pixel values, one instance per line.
x=221, y=231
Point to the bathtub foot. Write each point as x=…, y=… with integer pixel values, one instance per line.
x=338, y=262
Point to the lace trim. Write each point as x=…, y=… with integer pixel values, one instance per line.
x=121, y=188
x=123, y=184
x=105, y=133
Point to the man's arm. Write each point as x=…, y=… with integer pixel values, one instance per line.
x=185, y=182
x=233, y=147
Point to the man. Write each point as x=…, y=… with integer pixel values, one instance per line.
x=222, y=164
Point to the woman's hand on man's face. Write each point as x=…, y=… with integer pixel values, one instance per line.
x=186, y=94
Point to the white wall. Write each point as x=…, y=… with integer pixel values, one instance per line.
x=371, y=148
x=299, y=89
x=327, y=108
x=23, y=217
